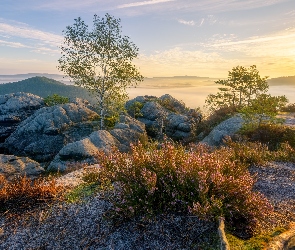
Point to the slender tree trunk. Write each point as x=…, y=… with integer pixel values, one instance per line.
x=101, y=114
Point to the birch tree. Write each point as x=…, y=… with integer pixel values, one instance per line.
x=100, y=60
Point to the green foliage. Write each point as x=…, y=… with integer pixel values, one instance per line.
x=289, y=108
x=258, y=242
x=171, y=179
x=81, y=192
x=249, y=152
x=272, y=135
x=285, y=153
x=55, y=99
x=101, y=61
x=263, y=110
x=135, y=109
x=242, y=86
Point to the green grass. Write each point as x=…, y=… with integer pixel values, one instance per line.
x=81, y=192
x=258, y=242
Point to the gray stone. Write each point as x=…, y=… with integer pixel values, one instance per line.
x=43, y=134
x=83, y=151
x=12, y=166
x=126, y=131
x=166, y=115
x=153, y=110
x=177, y=106
x=15, y=108
x=226, y=128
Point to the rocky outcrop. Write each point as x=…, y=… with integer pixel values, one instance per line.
x=12, y=166
x=42, y=135
x=126, y=131
x=226, y=128
x=15, y=108
x=165, y=115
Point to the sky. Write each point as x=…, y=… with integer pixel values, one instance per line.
x=174, y=37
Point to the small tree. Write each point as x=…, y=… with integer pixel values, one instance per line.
x=55, y=99
x=263, y=109
x=101, y=61
x=135, y=109
x=242, y=86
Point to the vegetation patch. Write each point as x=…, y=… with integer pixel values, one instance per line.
x=81, y=192
x=195, y=181
x=272, y=135
x=258, y=242
x=56, y=99
x=23, y=193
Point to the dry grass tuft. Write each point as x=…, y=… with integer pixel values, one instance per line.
x=23, y=193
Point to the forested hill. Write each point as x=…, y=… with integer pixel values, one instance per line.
x=284, y=80
x=43, y=86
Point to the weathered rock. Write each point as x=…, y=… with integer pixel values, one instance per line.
x=126, y=131
x=153, y=110
x=15, y=108
x=166, y=115
x=43, y=134
x=226, y=128
x=12, y=166
x=172, y=103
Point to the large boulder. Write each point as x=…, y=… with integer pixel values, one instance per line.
x=125, y=132
x=226, y=128
x=165, y=115
x=15, y=108
x=12, y=166
x=42, y=135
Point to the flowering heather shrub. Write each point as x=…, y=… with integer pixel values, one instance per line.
x=248, y=152
x=197, y=181
x=23, y=192
x=286, y=153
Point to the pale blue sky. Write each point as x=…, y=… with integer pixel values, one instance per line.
x=175, y=37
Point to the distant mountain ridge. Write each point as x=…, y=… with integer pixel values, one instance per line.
x=43, y=86
x=284, y=80
x=182, y=81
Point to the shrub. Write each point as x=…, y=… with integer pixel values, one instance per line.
x=272, y=135
x=285, y=153
x=289, y=108
x=171, y=179
x=55, y=99
x=24, y=193
x=248, y=152
x=135, y=109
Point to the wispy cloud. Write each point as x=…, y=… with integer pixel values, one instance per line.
x=136, y=4
x=180, y=61
x=277, y=45
x=29, y=33
x=20, y=35
x=190, y=23
x=13, y=44
x=210, y=19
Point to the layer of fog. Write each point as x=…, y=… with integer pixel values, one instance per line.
x=195, y=96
